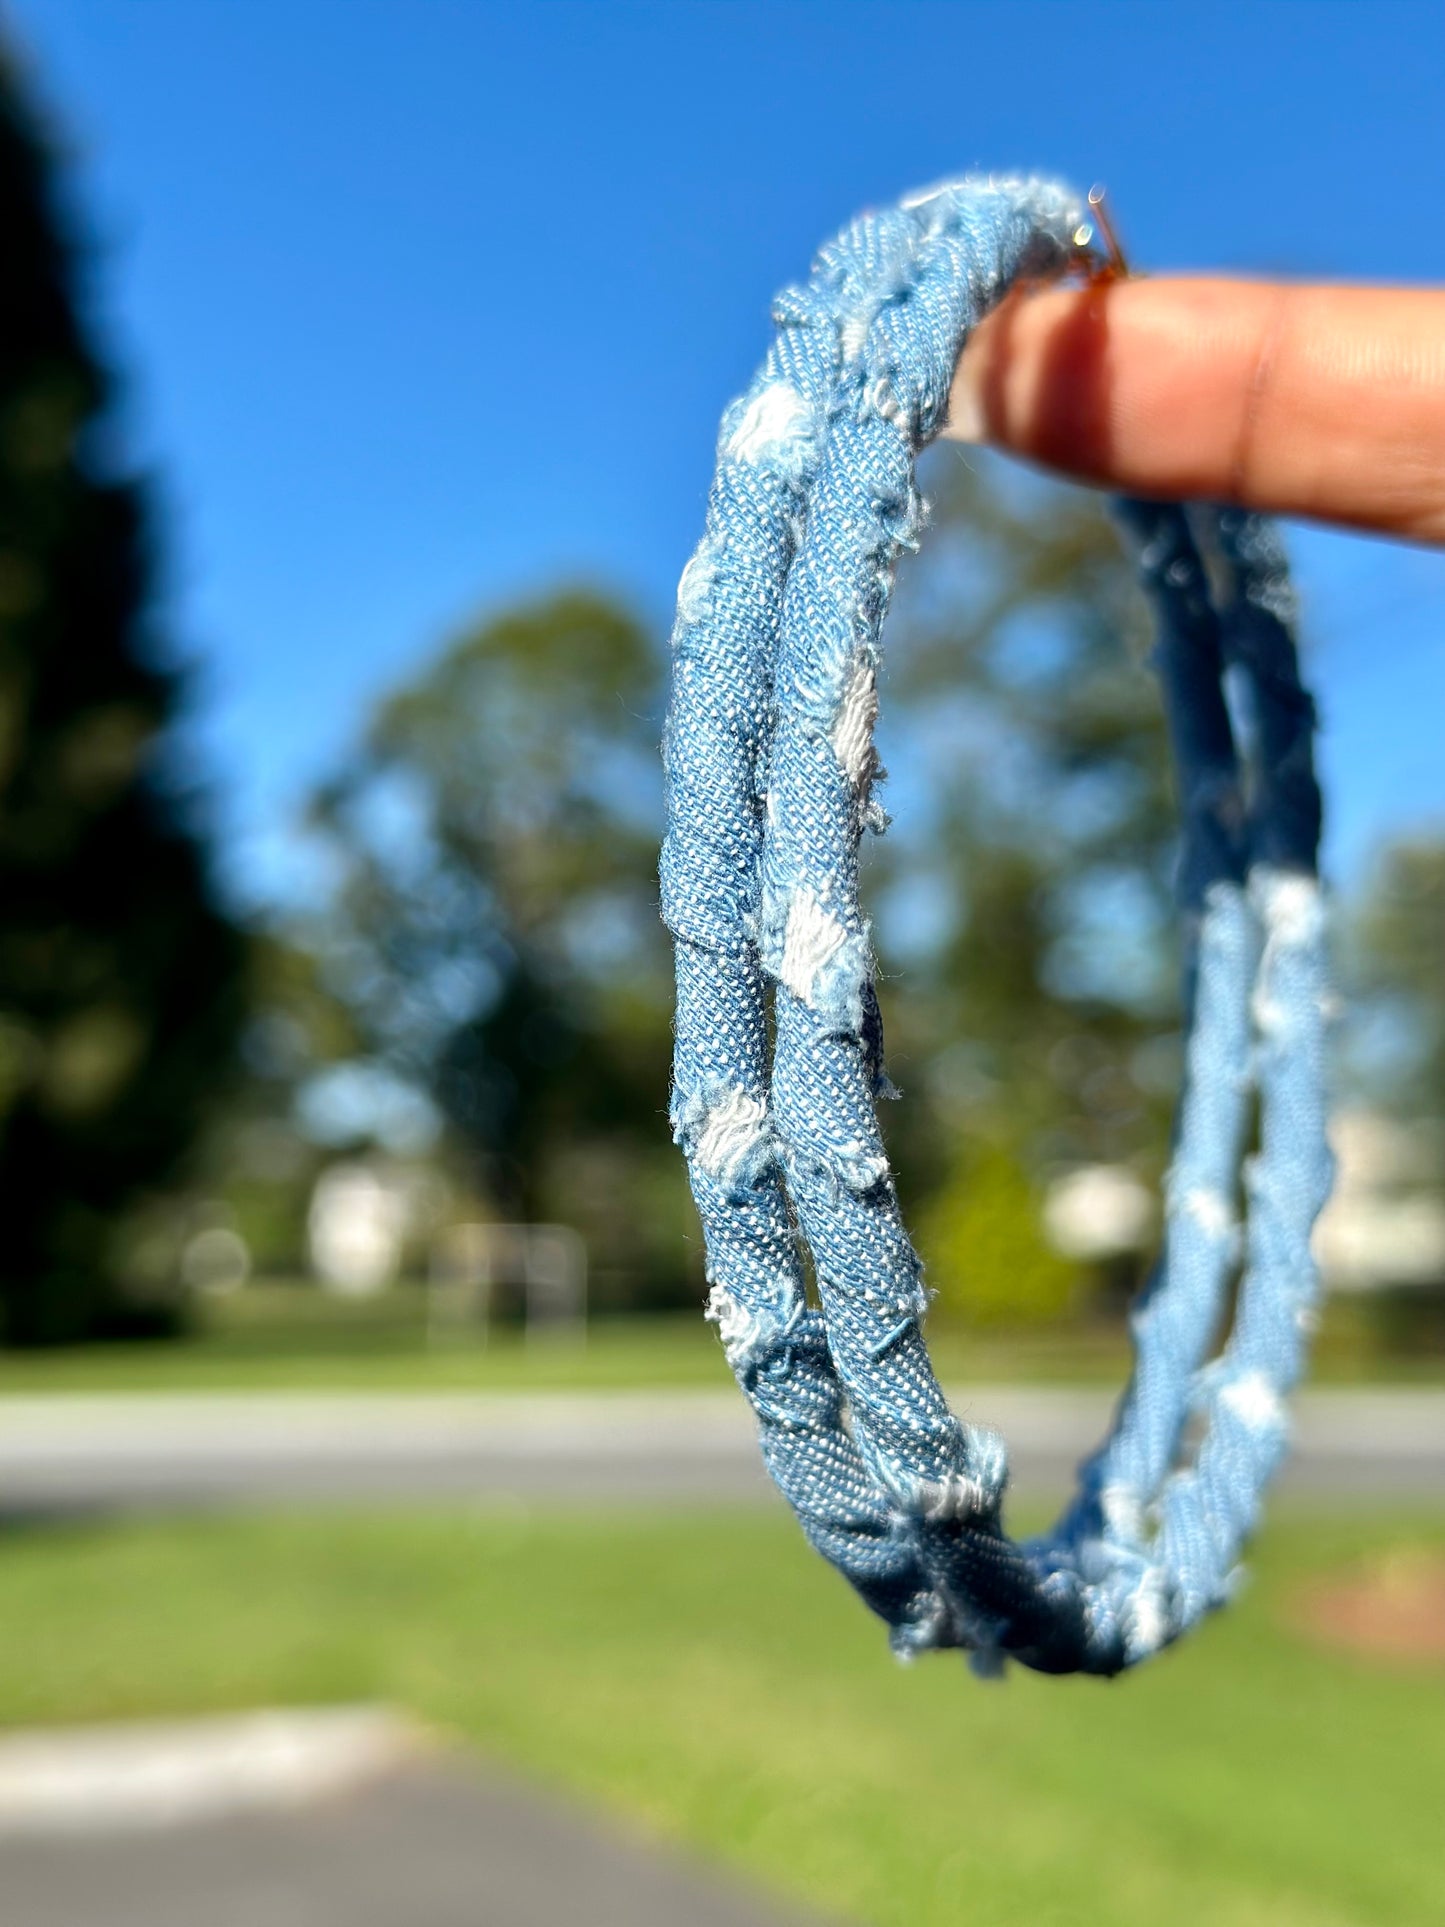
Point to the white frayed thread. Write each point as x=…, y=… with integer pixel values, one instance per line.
x=745, y=1334
x=812, y=941
x=852, y=733
x=957, y=1497
x=848, y=1167
x=1122, y=1511
x=776, y=428
x=883, y=400
x=1254, y=1402
x=1146, y=1618
x=1290, y=905
x=854, y=332
x=694, y=590
x=922, y=1629
x=1270, y=1016
x=1210, y=1210
x=730, y=1135
x=921, y=196
x=960, y=1495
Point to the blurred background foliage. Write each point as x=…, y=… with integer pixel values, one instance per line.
x=492, y=927
x=475, y=1000
x=122, y=982
x=1395, y=956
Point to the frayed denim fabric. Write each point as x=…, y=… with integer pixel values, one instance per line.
x=771, y=785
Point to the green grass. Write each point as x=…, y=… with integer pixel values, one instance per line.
x=285, y=1339
x=289, y=1337
x=710, y=1681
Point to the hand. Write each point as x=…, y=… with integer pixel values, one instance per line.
x=1326, y=402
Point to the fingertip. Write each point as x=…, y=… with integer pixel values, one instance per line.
x=1078, y=378
x=1034, y=379
x=1326, y=402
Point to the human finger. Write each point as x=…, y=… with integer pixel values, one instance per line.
x=1327, y=402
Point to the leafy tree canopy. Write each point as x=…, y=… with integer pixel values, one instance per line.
x=494, y=919
x=1026, y=887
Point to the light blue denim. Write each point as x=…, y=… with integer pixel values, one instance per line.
x=771, y=780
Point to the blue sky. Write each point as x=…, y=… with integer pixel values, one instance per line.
x=424, y=303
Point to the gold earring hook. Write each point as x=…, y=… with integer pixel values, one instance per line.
x=1112, y=263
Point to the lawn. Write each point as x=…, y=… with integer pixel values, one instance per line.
x=294, y=1337
x=710, y=1681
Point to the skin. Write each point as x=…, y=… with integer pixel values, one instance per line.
x=1325, y=402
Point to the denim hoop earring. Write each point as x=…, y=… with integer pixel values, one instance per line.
x=771, y=774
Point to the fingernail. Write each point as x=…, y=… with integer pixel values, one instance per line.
x=965, y=405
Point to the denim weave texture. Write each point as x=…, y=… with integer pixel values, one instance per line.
x=771, y=786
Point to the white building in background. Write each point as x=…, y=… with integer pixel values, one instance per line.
x=1384, y=1225
x=357, y=1226
x=1385, y=1222
x=1098, y=1212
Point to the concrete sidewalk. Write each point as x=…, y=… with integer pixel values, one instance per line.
x=123, y=1450
x=342, y=1818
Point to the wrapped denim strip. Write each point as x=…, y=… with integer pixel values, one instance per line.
x=724, y=657
x=771, y=775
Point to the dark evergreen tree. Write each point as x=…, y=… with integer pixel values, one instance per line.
x=121, y=981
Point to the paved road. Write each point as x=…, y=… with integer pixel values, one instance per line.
x=414, y=1840
x=121, y=1451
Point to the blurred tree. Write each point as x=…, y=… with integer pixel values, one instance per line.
x=1027, y=885
x=494, y=925
x=991, y=1262
x=121, y=983
x=259, y=1161
x=1395, y=966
